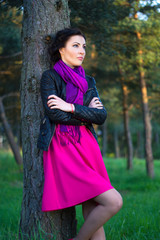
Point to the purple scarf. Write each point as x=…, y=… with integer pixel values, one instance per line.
x=76, y=87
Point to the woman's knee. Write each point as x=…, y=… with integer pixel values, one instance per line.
x=119, y=203
x=116, y=203
x=111, y=200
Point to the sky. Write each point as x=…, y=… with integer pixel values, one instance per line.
x=144, y=2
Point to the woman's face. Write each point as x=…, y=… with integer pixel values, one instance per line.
x=74, y=51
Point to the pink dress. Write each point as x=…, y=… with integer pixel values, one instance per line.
x=74, y=173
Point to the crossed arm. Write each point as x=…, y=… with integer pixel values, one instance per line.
x=62, y=112
x=55, y=102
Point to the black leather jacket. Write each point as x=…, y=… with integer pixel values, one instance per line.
x=52, y=83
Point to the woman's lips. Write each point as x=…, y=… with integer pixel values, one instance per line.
x=80, y=58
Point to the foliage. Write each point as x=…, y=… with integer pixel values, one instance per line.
x=11, y=20
x=112, y=39
x=110, y=29
x=10, y=60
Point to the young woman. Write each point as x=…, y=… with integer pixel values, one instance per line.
x=74, y=170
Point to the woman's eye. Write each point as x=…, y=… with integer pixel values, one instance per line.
x=75, y=45
x=84, y=47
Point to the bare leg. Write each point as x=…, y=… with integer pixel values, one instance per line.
x=87, y=207
x=109, y=203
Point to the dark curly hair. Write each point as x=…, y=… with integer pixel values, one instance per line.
x=60, y=40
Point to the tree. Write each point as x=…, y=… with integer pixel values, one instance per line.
x=146, y=114
x=102, y=17
x=8, y=131
x=10, y=68
x=126, y=119
x=41, y=19
x=144, y=96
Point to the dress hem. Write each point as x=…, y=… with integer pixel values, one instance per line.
x=78, y=203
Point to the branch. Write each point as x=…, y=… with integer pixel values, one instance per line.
x=10, y=56
x=5, y=72
x=13, y=94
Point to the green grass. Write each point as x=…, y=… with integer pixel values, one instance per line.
x=139, y=219
x=11, y=179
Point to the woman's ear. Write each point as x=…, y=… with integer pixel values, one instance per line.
x=61, y=50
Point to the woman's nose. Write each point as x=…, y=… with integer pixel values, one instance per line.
x=82, y=51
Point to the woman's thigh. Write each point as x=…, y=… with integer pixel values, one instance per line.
x=87, y=207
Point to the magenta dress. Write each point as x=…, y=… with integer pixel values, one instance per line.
x=74, y=172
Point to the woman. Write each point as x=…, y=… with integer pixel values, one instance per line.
x=74, y=170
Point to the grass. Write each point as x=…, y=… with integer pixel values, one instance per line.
x=11, y=179
x=139, y=219
x=140, y=216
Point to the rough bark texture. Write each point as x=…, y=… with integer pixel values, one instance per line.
x=145, y=108
x=41, y=19
x=8, y=131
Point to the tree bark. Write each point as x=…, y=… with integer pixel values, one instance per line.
x=145, y=108
x=41, y=19
x=126, y=127
x=9, y=134
x=126, y=120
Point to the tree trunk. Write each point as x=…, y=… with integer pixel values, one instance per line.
x=147, y=127
x=41, y=19
x=126, y=127
x=126, y=120
x=104, y=139
x=116, y=145
x=9, y=134
x=145, y=108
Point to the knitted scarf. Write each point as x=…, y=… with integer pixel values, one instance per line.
x=76, y=87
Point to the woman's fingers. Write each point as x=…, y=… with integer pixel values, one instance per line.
x=55, y=102
x=52, y=100
x=53, y=96
x=96, y=100
x=96, y=103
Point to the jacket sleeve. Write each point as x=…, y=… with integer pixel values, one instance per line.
x=48, y=87
x=91, y=115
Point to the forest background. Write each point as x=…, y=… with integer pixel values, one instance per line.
x=123, y=55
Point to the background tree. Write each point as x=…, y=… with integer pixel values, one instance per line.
x=104, y=28
x=10, y=64
x=8, y=130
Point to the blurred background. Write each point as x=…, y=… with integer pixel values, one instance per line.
x=123, y=55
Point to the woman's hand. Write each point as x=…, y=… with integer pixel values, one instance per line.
x=56, y=102
x=95, y=103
